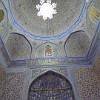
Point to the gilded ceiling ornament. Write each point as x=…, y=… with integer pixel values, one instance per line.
x=46, y=9
x=87, y=0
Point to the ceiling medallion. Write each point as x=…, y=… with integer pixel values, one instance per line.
x=46, y=9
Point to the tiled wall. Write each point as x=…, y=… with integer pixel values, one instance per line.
x=88, y=84
x=13, y=87
x=88, y=81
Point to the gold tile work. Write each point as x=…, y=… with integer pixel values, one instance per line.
x=1, y=15
x=94, y=14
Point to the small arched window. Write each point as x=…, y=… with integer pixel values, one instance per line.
x=48, y=50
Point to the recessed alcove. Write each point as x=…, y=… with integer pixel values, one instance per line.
x=77, y=44
x=51, y=85
x=18, y=47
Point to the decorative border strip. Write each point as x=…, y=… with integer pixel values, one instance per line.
x=52, y=37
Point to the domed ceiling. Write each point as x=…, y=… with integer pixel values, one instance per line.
x=24, y=16
x=77, y=20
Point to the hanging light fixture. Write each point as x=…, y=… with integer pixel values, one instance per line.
x=46, y=9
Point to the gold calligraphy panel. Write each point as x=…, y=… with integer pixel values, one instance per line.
x=94, y=14
x=1, y=15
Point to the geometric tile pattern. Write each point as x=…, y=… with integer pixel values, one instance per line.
x=12, y=89
x=88, y=83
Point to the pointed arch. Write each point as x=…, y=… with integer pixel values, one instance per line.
x=51, y=86
x=77, y=44
x=18, y=46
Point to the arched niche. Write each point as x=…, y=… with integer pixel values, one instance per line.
x=18, y=47
x=51, y=86
x=77, y=44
